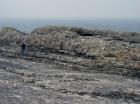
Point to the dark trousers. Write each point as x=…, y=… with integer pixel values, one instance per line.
x=23, y=52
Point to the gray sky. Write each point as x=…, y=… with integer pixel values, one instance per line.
x=70, y=9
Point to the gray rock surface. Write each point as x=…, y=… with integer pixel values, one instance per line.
x=101, y=47
x=100, y=51
x=131, y=37
x=9, y=35
x=69, y=66
x=27, y=82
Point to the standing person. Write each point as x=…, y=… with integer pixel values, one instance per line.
x=23, y=49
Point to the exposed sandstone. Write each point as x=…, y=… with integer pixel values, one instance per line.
x=67, y=65
x=71, y=42
x=99, y=49
x=9, y=35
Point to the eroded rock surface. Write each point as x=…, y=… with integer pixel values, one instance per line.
x=101, y=45
x=97, y=51
x=27, y=82
x=69, y=66
x=9, y=35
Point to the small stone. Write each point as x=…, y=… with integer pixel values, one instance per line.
x=103, y=48
x=130, y=92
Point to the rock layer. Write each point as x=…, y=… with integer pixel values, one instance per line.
x=9, y=35
x=101, y=46
x=67, y=65
x=27, y=82
x=90, y=48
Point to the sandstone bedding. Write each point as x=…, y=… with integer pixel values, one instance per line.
x=69, y=66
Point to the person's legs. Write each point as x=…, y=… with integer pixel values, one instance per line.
x=25, y=51
x=22, y=52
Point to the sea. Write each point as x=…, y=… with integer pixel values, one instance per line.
x=27, y=25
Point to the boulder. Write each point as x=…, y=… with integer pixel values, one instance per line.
x=9, y=35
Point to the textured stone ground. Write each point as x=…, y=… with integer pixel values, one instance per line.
x=27, y=82
x=69, y=66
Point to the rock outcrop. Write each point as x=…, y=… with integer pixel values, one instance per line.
x=98, y=50
x=67, y=65
x=101, y=46
x=28, y=82
x=131, y=37
x=9, y=35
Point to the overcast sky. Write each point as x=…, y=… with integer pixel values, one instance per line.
x=70, y=9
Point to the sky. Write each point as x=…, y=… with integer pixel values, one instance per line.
x=70, y=9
